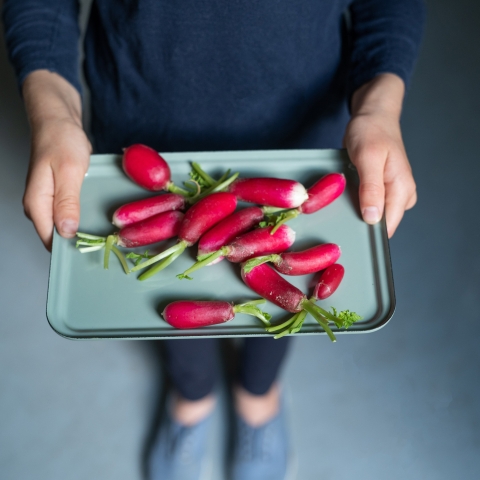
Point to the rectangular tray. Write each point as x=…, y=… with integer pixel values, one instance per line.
x=86, y=301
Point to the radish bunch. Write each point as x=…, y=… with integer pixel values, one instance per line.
x=199, y=219
x=325, y=286
x=267, y=283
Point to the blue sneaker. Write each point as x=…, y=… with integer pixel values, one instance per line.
x=179, y=451
x=261, y=453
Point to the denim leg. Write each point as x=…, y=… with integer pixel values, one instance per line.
x=192, y=366
x=260, y=362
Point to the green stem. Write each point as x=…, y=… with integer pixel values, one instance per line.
x=225, y=183
x=337, y=321
x=209, y=190
x=299, y=322
x=281, y=334
x=276, y=328
x=195, y=189
x=203, y=174
x=121, y=257
x=255, y=262
x=161, y=265
x=269, y=210
x=171, y=187
x=182, y=245
x=203, y=263
x=250, y=308
x=108, y=247
x=260, y=301
x=310, y=308
x=284, y=218
x=89, y=237
x=217, y=188
x=90, y=243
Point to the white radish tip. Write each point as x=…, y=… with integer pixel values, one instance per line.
x=298, y=195
x=291, y=234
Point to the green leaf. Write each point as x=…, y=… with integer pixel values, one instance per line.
x=197, y=178
x=137, y=257
x=270, y=220
x=181, y=276
x=348, y=318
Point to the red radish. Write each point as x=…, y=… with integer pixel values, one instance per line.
x=326, y=286
x=141, y=209
x=270, y=285
x=151, y=230
x=205, y=214
x=252, y=243
x=323, y=192
x=148, y=169
x=274, y=192
x=320, y=194
x=199, y=218
x=300, y=263
x=267, y=283
x=246, y=246
x=196, y=313
x=228, y=229
x=329, y=281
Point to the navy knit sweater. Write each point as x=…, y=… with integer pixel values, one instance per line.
x=217, y=74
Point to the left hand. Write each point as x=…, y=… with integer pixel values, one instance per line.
x=374, y=143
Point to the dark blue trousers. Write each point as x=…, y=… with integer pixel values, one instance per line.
x=192, y=365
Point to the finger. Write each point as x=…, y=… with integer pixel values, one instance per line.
x=68, y=178
x=411, y=201
x=396, y=200
x=370, y=163
x=38, y=202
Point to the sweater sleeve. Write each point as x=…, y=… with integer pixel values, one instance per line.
x=386, y=37
x=43, y=34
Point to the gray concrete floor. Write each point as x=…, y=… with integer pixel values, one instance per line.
x=402, y=403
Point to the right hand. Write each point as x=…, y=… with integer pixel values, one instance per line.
x=60, y=155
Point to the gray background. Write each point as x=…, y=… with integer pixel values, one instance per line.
x=400, y=403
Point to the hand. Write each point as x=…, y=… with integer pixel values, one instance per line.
x=60, y=155
x=374, y=142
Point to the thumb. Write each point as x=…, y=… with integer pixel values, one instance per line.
x=370, y=165
x=68, y=178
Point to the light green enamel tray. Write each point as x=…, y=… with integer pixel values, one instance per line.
x=86, y=301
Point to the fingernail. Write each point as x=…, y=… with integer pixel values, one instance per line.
x=68, y=227
x=371, y=215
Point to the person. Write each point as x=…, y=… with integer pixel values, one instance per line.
x=210, y=75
